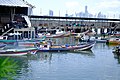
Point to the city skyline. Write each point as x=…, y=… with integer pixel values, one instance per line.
x=106, y=7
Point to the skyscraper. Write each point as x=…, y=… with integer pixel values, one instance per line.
x=50, y=13
x=86, y=11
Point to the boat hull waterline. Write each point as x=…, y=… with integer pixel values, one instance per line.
x=17, y=52
x=78, y=47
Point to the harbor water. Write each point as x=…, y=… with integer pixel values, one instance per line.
x=97, y=64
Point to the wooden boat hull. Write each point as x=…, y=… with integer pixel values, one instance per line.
x=2, y=45
x=12, y=53
x=87, y=47
x=23, y=41
x=52, y=35
x=78, y=47
x=26, y=44
x=17, y=52
x=67, y=34
x=115, y=41
x=96, y=40
x=101, y=41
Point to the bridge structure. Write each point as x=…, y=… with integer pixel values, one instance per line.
x=79, y=24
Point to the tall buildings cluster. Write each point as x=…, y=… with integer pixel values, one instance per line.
x=85, y=13
x=89, y=15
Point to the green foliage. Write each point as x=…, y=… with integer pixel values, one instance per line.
x=8, y=68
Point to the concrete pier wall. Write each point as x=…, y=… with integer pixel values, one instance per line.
x=77, y=25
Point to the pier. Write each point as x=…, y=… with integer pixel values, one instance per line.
x=78, y=24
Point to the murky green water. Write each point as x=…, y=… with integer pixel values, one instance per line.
x=98, y=64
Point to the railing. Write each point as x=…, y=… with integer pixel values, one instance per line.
x=5, y=30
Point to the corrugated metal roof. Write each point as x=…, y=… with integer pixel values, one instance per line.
x=15, y=3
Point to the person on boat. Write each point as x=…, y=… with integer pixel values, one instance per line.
x=49, y=42
x=88, y=39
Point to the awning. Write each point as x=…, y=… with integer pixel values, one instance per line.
x=14, y=3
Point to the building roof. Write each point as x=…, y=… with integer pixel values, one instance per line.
x=14, y=3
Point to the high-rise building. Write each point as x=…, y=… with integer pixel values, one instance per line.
x=50, y=13
x=86, y=11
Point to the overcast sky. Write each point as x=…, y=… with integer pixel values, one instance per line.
x=107, y=7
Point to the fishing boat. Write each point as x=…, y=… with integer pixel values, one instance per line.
x=78, y=47
x=67, y=34
x=29, y=40
x=48, y=35
x=81, y=35
x=89, y=37
x=22, y=40
x=17, y=52
x=101, y=40
x=57, y=34
x=114, y=41
x=2, y=45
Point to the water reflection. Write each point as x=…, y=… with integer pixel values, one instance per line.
x=41, y=56
x=45, y=56
x=117, y=57
x=48, y=57
x=112, y=45
x=85, y=53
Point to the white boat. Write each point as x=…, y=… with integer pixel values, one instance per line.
x=58, y=33
x=98, y=40
x=17, y=52
x=114, y=41
x=48, y=35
